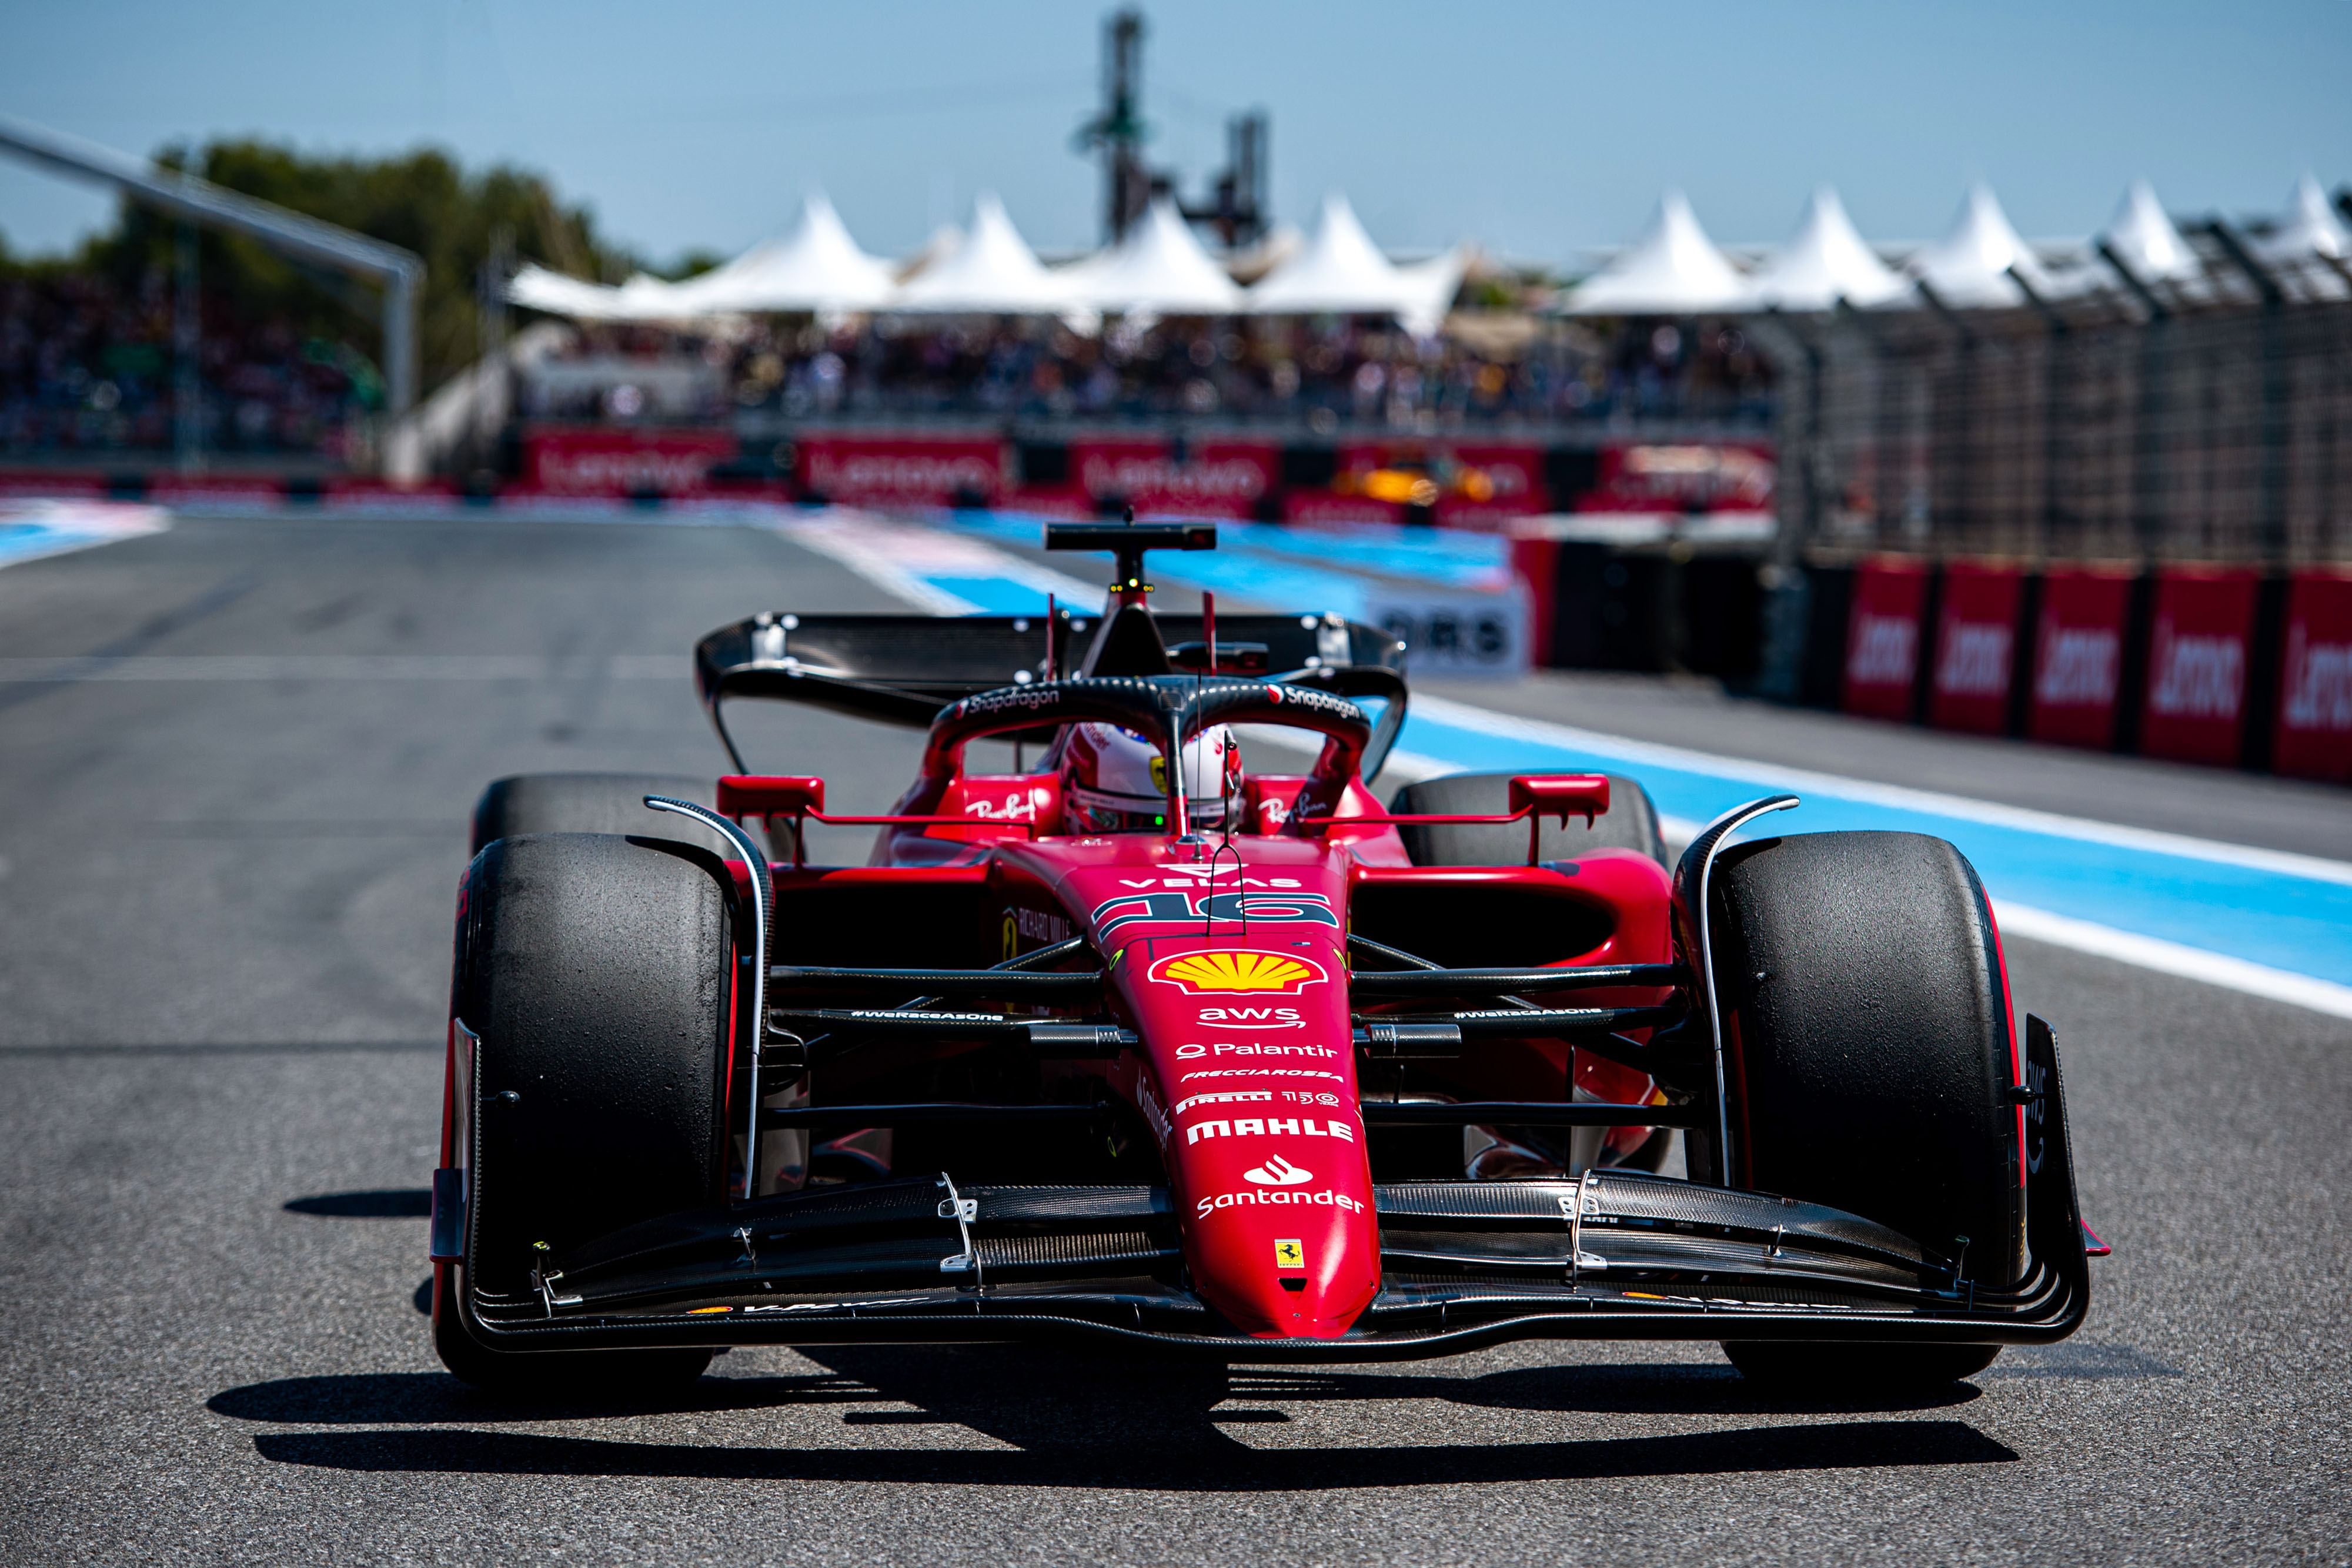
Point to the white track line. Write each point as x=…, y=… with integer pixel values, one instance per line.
x=2018, y=920
x=864, y=556
x=1773, y=776
x=900, y=558
x=345, y=667
x=2173, y=958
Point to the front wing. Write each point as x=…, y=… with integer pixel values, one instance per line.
x=1614, y=1255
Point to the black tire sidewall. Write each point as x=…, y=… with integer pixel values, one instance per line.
x=595, y=970
x=1871, y=1062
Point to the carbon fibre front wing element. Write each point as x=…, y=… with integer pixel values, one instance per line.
x=1615, y=1254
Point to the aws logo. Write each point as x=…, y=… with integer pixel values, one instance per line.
x=1260, y=974
x=1254, y=1017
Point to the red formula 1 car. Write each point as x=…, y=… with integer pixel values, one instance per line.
x=1143, y=1046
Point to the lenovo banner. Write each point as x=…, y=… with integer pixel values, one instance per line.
x=2078, y=657
x=2314, y=739
x=902, y=470
x=1881, y=646
x=1204, y=479
x=2199, y=652
x=1679, y=476
x=597, y=460
x=1976, y=639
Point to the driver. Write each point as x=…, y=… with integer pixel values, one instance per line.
x=1114, y=781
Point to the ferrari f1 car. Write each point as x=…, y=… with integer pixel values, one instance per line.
x=1143, y=1046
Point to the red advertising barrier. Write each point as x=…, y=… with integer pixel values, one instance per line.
x=1516, y=476
x=907, y=470
x=1682, y=476
x=219, y=490
x=2078, y=647
x=1882, y=644
x=55, y=486
x=1535, y=572
x=599, y=460
x=1215, y=479
x=2199, y=653
x=1975, y=643
x=2314, y=739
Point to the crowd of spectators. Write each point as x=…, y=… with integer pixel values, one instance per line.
x=87, y=369
x=1346, y=374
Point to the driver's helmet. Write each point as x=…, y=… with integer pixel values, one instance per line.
x=1114, y=780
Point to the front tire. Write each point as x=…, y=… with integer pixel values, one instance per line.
x=595, y=972
x=591, y=803
x=1867, y=1028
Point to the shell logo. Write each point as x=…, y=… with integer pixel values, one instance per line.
x=1280, y=974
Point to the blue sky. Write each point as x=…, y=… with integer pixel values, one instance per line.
x=1536, y=128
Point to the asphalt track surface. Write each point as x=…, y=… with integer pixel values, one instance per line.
x=224, y=918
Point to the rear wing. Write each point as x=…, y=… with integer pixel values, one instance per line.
x=902, y=669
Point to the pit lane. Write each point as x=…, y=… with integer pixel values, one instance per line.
x=223, y=893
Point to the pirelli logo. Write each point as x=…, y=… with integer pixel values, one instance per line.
x=1258, y=1127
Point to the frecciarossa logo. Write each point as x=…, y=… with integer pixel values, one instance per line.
x=1168, y=908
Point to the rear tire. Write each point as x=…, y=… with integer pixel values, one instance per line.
x=1867, y=1028
x=594, y=969
x=1630, y=823
x=593, y=803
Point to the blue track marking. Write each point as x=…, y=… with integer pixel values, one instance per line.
x=1447, y=557
x=992, y=595
x=2285, y=911
x=1280, y=566
x=30, y=530
x=2269, y=923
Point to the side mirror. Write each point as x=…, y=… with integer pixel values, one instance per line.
x=744, y=795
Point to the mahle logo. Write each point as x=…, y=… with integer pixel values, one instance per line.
x=1273, y=974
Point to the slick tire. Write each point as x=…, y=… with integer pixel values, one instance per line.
x=1867, y=1028
x=1630, y=823
x=593, y=803
x=594, y=969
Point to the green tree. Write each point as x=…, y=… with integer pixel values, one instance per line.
x=422, y=201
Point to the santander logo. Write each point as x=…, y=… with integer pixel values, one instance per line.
x=1277, y=1172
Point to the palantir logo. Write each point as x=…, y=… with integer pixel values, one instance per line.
x=1277, y=1172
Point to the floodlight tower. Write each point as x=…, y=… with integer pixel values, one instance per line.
x=1117, y=132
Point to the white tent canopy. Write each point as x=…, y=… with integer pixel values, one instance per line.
x=1158, y=268
x=1341, y=272
x=1969, y=266
x=994, y=272
x=2309, y=227
x=815, y=266
x=1672, y=269
x=2144, y=239
x=540, y=290
x=1827, y=262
